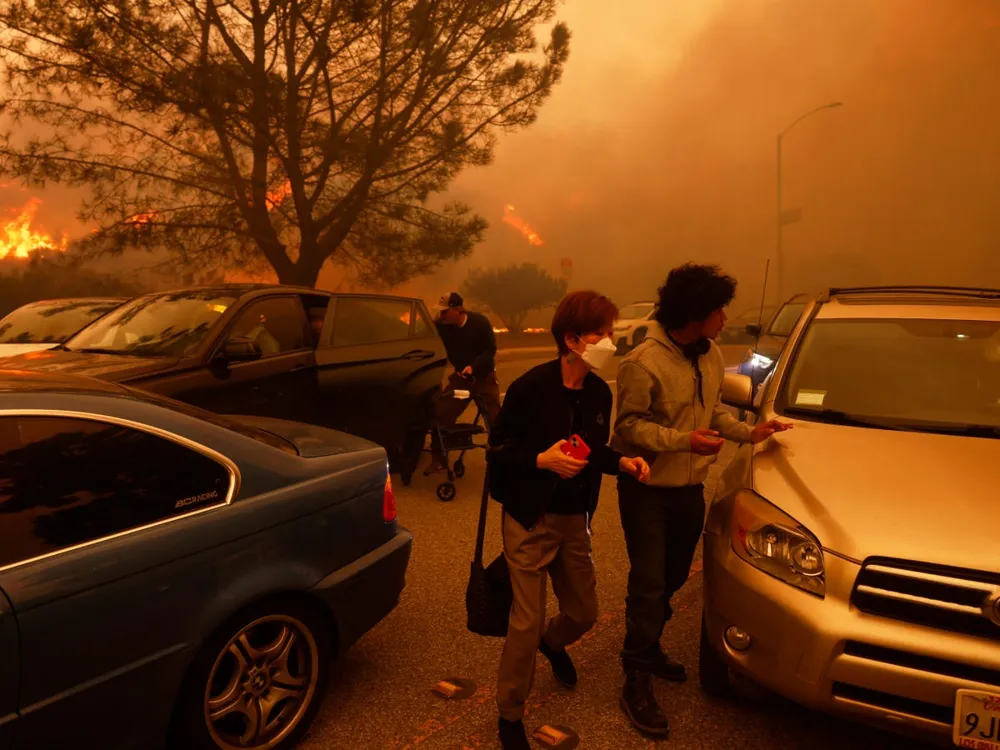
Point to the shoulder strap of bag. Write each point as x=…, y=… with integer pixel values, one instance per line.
x=483, y=510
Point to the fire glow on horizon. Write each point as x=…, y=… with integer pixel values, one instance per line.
x=19, y=240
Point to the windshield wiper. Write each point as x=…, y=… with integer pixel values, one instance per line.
x=98, y=350
x=834, y=416
x=966, y=430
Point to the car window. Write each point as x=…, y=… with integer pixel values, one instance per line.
x=159, y=325
x=638, y=311
x=943, y=372
x=51, y=322
x=277, y=325
x=360, y=320
x=784, y=322
x=70, y=481
x=421, y=325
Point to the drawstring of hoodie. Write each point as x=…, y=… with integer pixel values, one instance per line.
x=693, y=352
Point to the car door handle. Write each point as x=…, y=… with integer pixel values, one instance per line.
x=418, y=354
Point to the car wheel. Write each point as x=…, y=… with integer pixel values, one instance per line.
x=639, y=336
x=257, y=683
x=713, y=672
x=446, y=492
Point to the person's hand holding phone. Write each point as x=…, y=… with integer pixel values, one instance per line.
x=556, y=461
x=706, y=442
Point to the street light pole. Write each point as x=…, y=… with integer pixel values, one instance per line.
x=780, y=250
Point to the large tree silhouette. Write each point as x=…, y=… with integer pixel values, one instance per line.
x=294, y=131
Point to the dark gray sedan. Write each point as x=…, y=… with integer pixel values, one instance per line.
x=170, y=576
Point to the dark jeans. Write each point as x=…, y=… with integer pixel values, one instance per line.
x=662, y=526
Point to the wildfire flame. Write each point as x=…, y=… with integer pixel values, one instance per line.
x=140, y=219
x=277, y=196
x=510, y=216
x=19, y=240
x=274, y=199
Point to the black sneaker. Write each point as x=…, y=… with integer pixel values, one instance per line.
x=562, y=666
x=665, y=668
x=513, y=736
x=639, y=704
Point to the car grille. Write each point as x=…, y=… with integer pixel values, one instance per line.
x=952, y=599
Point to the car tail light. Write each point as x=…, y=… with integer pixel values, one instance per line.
x=388, y=502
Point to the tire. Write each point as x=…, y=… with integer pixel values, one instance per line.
x=459, y=469
x=272, y=660
x=446, y=492
x=713, y=672
x=639, y=336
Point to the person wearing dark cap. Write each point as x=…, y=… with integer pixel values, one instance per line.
x=471, y=346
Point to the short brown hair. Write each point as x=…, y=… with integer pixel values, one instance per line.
x=580, y=313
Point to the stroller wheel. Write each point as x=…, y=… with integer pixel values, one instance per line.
x=446, y=492
x=459, y=469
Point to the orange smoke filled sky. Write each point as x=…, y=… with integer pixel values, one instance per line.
x=658, y=145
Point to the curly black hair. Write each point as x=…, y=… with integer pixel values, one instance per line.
x=691, y=293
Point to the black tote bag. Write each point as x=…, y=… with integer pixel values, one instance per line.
x=489, y=595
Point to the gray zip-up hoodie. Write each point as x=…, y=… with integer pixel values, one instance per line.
x=659, y=408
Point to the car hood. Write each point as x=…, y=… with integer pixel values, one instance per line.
x=12, y=350
x=113, y=367
x=908, y=495
x=310, y=440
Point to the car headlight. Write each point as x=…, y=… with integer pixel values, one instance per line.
x=777, y=544
x=760, y=362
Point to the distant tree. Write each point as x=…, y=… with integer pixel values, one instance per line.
x=512, y=292
x=55, y=276
x=297, y=131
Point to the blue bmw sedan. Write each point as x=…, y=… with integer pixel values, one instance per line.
x=170, y=577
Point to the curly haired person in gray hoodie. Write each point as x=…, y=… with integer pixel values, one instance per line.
x=670, y=413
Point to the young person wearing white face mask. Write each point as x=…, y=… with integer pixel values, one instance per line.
x=549, y=498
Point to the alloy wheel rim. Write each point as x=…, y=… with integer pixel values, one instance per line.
x=261, y=684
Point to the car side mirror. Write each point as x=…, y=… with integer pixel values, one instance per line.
x=754, y=330
x=737, y=391
x=240, y=349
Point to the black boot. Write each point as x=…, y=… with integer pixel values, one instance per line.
x=513, y=736
x=639, y=704
x=665, y=668
x=562, y=665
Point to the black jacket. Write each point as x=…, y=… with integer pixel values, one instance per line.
x=537, y=414
x=472, y=345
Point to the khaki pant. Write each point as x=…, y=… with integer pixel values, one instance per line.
x=559, y=546
x=448, y=409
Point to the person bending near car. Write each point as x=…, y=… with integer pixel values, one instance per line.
x=549, y=498
x=670, y=412
x=471, y=346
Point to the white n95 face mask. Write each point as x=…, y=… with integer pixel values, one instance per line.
x=598, y=355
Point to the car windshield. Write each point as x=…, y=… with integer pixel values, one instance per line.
x=261, y=436
x=784, y=322
x=635, y=312
x=162, y=325
x=908, y=374
x=51, y=322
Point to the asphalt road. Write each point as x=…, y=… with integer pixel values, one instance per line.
x=380, y=694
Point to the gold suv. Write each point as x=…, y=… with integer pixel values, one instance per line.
x=852, y=564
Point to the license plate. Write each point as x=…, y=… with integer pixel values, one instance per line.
x=977, y=720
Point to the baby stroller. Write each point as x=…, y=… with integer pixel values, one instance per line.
x=460, y=438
